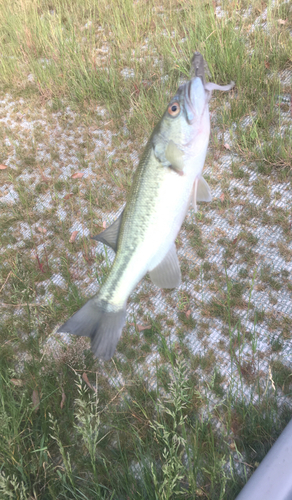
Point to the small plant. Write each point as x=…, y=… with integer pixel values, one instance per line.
x=170, y=433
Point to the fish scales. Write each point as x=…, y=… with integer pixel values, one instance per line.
x=168, y=178
x=144, y=222
x=146, y=219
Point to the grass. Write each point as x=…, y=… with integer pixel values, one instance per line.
x=136, y=443
x=200, y=387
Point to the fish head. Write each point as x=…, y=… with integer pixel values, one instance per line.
x=185, y=113
x=182, y=135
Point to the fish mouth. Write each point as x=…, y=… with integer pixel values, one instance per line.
x=195, y=98
x=195, y=94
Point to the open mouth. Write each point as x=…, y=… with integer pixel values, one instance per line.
x=192, y=94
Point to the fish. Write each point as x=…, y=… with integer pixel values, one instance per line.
x=167, y=180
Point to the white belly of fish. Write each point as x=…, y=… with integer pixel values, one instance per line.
x=171, y=207
x=170, y=211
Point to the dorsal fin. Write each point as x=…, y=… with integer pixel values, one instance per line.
x=110, y=235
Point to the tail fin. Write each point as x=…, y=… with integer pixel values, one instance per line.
x=99, y=321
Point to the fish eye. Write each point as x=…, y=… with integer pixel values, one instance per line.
x=174, y=109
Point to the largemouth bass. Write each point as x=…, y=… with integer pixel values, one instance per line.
x=168, y=178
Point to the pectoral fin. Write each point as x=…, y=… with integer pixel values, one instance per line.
x=201, y=191
x=167, y=274
x=170, y=156
x=175, y=157
x=111, y=234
